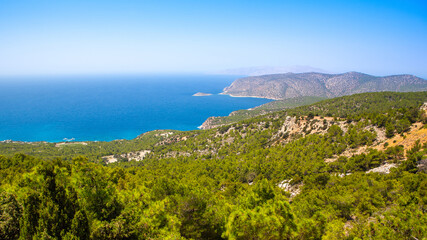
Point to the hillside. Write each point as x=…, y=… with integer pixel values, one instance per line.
x=352, y=167
x=270, y=107
x=291, y=85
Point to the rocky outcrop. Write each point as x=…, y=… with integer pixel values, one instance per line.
x=291, y=85
x=209, y=123
x=424, y=107
x=383, y=168
x=137, y=156
x=293, y=189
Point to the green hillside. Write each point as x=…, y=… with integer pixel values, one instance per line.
x=270, y=107
x=302, y=173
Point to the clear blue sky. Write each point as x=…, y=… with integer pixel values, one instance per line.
x=101, y=36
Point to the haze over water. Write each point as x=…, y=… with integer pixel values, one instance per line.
x=108, y=108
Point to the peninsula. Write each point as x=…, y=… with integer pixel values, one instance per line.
x=291, y=85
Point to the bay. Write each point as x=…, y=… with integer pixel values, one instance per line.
x=105, y=108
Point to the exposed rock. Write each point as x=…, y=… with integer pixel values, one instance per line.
x=422, y=165
x=341, y=175
x=383, y=168
x=288, y=187
x=302, y=127
x=209, y=124
x=349, y=152
x=137, y=156
x=164, y=134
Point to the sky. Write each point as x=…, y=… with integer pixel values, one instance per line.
x=191, y=36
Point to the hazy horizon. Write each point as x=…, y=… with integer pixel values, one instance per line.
x=96, y=76
x=193, y=37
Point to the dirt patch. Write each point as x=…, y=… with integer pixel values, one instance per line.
x=416, y=132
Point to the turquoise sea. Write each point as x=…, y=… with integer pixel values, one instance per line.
x=105, y=108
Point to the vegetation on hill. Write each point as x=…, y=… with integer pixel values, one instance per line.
x=93, y=150
x=365, y=104
x=270, y=107
x=267, y=177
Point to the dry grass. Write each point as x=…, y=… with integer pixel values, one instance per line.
x=417, y=132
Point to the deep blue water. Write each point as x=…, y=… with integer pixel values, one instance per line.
x=110, y=107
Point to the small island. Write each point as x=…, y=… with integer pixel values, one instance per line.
x=200, y=94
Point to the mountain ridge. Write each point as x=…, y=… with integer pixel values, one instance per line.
x=290, y=85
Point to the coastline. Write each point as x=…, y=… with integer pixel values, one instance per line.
x=239, y=96
x=85, y=142
x=150, y=103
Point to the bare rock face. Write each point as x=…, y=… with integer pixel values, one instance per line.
x=290, y=85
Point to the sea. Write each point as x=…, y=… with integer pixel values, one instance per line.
x=106, y=108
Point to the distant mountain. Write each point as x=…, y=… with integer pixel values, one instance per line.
x=257, y=71
x=290, y=85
